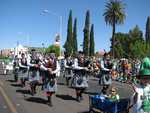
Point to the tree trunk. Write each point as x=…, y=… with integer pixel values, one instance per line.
x=113, y=37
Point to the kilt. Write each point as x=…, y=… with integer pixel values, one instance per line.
x=105, y=79
x=50, y=85
x=49, y=82
x=79, y=81
x=68, y=72
x=34, y=75
x=42, y=76
x=23, y=74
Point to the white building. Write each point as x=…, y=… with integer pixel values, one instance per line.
x=18, y=50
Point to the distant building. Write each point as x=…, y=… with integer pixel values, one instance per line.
x=20, y=49
x=6, y=52
x=14, y=51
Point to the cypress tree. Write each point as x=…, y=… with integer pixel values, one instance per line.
x=69, y=42
x=75, y=44
x=86, y=34
x=147, y=34
x=92, y=44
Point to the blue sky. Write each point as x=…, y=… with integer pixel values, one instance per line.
x=21, y=20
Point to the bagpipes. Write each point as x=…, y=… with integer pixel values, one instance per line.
x=51, y=66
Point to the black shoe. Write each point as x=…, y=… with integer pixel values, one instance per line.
x=50, y=104
x=32, y=92
x=78, y=99
x=81, y=98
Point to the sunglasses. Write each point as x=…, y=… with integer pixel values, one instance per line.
x=113, y=91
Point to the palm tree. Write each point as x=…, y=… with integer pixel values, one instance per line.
x=114, y=15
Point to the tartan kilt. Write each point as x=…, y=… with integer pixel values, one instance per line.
x=50, y=85
x=34, y=75
x=23, y=74
x=79, y=81
x=105, y=79
x=68, y=72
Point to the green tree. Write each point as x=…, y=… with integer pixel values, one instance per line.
x=135, y=40
x=75, y=43
x=53, y=49
x=121, y=45
x=148, y=50
x=140, y=50
x=92, y=43
x=69, y=42
x=114, y=14
x=136, y=35
x=131, y=45
x=86, y=34
x=147, y=34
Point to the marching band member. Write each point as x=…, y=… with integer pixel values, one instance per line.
x=16, y=68
x=106, y=68
x=96, y=67
x=80, y=80
x=68, y=63
x=23, y=68
x=34, y=66
x=51, y=67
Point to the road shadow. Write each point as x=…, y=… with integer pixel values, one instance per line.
x=91, y=93
x=70, y=87
x=65, y=97
x=16, y=85
x=23, y=91
x=84, y=112
x=36, y=100
x=94, y=79
x=12, y=81
x=61, y=84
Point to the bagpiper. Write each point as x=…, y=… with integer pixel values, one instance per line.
x=34, y=66
x=51, y=67
x=23, y=69
x=16, y=68
x=80, y=78
x=105, y=77
x=68, y=63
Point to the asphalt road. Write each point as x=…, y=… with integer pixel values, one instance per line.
x=3, y=106
x=63, y=102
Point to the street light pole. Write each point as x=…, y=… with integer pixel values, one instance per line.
x=43, y=46
x=17, y=47
x=60, y=33
x=60, y=23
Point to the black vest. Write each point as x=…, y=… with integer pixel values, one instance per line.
x=24, y=63
x=69, y=62
x=82, y=71
x=34, y=61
